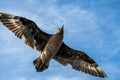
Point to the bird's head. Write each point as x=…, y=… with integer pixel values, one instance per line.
x=60, y=30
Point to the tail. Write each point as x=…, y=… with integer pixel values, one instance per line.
x=39, y=65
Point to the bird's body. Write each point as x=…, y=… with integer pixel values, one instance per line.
x=51, y=46
x=49, y=51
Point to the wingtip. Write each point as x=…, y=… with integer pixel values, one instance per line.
x=101, y=73
x=6, y=15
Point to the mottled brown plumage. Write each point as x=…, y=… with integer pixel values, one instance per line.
x=49, y=51
x=50, y=46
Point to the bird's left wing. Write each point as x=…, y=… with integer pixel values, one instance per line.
x=78, y=60
x=22, y=27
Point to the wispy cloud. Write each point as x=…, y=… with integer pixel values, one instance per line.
x=66, y=78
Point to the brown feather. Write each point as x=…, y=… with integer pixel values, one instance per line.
x=18, y=25
x=79, y=61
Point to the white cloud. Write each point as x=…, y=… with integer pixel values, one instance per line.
x=66, y=78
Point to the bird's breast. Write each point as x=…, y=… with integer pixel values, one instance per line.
x=51, y=48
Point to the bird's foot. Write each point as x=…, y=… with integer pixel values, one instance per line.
x=39, y=65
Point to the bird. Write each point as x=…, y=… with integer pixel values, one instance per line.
x=50, y=46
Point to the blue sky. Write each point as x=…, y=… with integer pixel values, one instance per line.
x=90, y=25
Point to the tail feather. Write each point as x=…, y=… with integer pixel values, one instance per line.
x=39, y=65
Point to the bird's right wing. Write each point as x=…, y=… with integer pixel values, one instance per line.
x=79, y=61
x=22, y=27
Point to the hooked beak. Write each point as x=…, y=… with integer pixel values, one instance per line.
x=62, y=27
x=60, y=30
